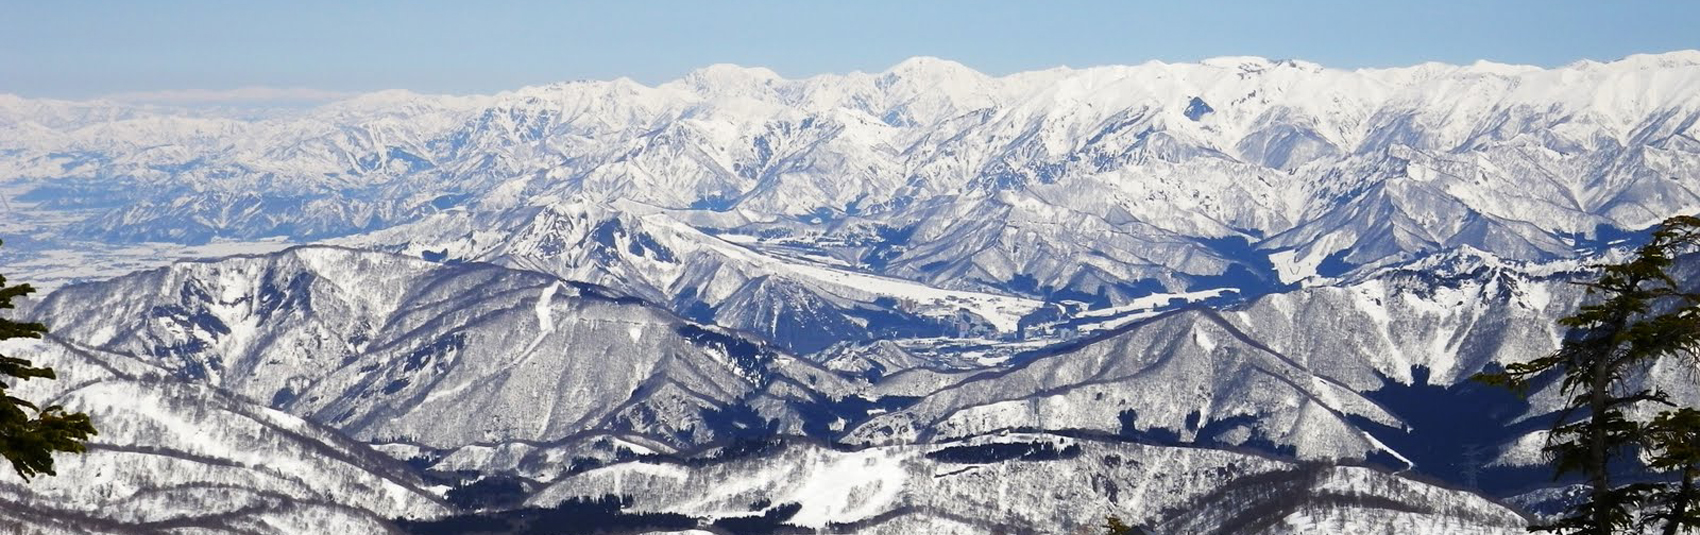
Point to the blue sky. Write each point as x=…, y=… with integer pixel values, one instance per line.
x=317, y=49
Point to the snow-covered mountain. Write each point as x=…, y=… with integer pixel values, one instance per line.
x=394, y=349
x=475, y=368
x=1377, y=368
x=400, y=350
x=924, y=299
x=1103, y=184
x=803, y=303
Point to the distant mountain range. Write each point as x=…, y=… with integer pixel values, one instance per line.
x=903, y=301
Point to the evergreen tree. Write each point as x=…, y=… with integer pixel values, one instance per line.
x=1672, y=441
x=29, y=442
x=1640, y=317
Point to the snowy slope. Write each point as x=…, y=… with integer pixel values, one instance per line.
x=1038, y=483
x=172, y=453
x=1189, y=375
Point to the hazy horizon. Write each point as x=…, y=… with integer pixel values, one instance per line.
x=318, y=51
x=287, y=97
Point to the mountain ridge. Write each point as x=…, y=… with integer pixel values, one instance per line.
x=1297, y=161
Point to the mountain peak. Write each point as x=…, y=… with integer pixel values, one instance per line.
x=1503, y=69
x=929, y=66
x=727, y=75
x=1247, y=63
x=1259, y=63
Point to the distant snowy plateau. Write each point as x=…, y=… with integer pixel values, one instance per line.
x=1242, y=296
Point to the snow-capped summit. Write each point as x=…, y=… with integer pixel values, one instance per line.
x=934, y=69
x=727, y=80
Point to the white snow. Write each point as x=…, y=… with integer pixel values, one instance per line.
x=849, y=488
x=545, y=321
x=1003, y=312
